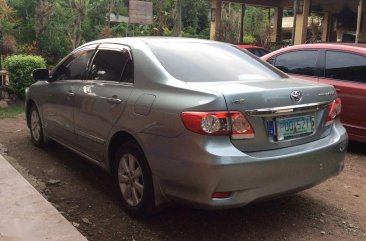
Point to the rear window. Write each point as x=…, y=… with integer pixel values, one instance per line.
x=345, y=66
x=211, y=62
x=258, y=52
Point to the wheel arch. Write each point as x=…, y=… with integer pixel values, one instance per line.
x=115, y=142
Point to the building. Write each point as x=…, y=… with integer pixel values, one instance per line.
x=342, y=20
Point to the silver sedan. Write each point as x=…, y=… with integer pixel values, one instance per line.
x=191, y=121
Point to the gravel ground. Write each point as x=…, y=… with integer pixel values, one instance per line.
x=83, y=193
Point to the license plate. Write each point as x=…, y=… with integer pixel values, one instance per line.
x=292, y=127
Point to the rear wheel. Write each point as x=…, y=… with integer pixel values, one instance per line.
x=36, y=129
x=133, y=179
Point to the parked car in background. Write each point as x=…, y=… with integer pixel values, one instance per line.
x=341, y=65
x=256, y=50
x=186, y=120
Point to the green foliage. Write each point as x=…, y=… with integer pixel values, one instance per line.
x=20, y=69
x=249, y=39
x=195, y=17
x=55, y=41
x=12, y=111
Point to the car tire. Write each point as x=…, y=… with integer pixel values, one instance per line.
x=36, y=129
x=133, y=180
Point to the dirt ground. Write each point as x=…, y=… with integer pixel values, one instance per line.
x=83, y=193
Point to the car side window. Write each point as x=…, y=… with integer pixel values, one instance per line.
x=262, y=52
x=298, y=62
x=112, y=65
x=74, y=68
x=345, y=66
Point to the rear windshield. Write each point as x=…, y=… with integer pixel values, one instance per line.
x=211, y=62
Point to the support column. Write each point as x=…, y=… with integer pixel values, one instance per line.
x=359, y=19
x=363, y=30
x=276, y=35
x=339, y=35
x=215, y=29
x=326, y=26
x=302, y=23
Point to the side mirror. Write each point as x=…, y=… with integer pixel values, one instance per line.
x=41, y=74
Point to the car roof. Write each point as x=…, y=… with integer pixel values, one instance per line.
x=332, y=45
x=248, y=46
x=134, y=41
x=358, y=48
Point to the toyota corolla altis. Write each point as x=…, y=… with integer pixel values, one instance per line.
x=190, y=121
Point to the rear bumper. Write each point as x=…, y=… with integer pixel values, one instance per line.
x=191, y=171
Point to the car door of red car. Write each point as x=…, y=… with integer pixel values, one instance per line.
x=346, y=71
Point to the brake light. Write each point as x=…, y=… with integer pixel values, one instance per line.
x=221, y=195
x=334, y=111
x=218, y=124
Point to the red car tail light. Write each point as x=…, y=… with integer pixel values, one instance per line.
x=221, y=195
x=218, y=124
x=334, y=111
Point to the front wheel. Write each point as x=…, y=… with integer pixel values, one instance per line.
x=133, y=179
x=36, y=130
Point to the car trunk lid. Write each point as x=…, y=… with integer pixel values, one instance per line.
x=278, y=115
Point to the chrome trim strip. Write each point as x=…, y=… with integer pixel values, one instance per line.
x=289, y=110
x=90, y=137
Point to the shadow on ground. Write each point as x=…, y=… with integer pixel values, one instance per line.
x=357, y=148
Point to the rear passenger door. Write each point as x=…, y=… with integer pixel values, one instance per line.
x=102, y=97
x=346, y=71
x=301, y=64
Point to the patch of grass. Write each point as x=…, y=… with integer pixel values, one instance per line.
x=12, y=111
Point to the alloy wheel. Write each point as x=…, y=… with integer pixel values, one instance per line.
x=35, y=125
x=131, y=181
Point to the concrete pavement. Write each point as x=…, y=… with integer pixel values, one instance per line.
x=26, y=215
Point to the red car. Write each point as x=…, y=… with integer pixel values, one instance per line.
x=341, y=65
x=256, y=50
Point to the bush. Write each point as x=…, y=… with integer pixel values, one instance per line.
x=249, y=39
x=20, y=69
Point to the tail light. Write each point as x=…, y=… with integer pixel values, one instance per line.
x=221, y=195
x=334, y=111
x=218, y=124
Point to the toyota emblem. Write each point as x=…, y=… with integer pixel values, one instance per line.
x=296, y=96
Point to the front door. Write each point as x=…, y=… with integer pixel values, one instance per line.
x=60, y=96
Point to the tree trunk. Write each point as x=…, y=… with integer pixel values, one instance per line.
x=177, y=31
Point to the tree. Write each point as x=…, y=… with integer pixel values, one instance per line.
x=41, y=17
x=195, y=16
x=79, y=10
x=6, y=13
x=177, y=30
x=5, y=10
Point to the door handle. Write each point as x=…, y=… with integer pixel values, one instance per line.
x=114, y=100
x=70, y=94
